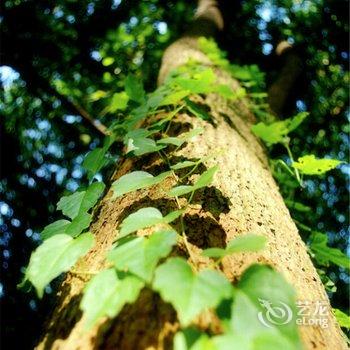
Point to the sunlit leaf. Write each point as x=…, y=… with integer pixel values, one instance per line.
x=324, y=254
x=139, y=143
x=79, y=224
x=190, y=293
x=297, y=120
x=192, y=339
x=97, y=95
x=145, y=217
x=56, y=255
x=182, y=165
x=201, y=82
x=260, y=291
x=204, y=180
x=225, y=91
x=181, y=139
x=136, y=180
x=310, y=165
x=81, y=201
x=141, y=255
x=180, y=190
x=118, y=102
x=244, y=243
x=174, y=98
x=106, y=294
x=271, y=134
x=55, y=228
x=342, y=318
x=276, y=132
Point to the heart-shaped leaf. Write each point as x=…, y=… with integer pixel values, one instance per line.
x=145, y=217
x=190, y=293
x=310, y=165
x=135, y=181
x=244, y=243
x=82, y=201
x=141, y=255
x=106, y=294
x=56, y=255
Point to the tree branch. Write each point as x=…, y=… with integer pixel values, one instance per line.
x=281, y=87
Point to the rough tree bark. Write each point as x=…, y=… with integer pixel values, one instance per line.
x=243, y=198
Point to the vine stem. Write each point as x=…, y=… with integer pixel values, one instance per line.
x=290, y=154
x=183, y=232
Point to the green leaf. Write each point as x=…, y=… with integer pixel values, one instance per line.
x=204, y=180
x=96, y=159
x=294, y=122
x=182, y=165
x=119, y=102
x=55, y=228
x=142, y=146
x=195, y=109
x=297, y=206
x=145, y=217
x=200, y=83
x=271, y=134
x=70, y=205
x=79, y=224
x=56, y=255
x=180, y=190
x=181, y=139
x=192, y=339
x=244, y=243
x=309, y=165
x=247, y=243
x=97, y=95
x=106, y=294
x=342, y=318
x=324, y=254
x=134, y=89
x=80, y=202
x=225, y=91
x=262, y=295
x=277, y=131
x=171, y=141
x=135, y=181
x=141, y=255
x=173, y=215
x=174, y=98
x=190, y=293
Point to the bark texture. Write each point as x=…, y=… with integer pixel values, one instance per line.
x=243, y=198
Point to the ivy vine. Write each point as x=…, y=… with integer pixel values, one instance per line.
x=138, y=261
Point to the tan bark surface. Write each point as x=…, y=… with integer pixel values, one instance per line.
x=243, y=198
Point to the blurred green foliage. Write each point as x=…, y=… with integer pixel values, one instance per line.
x=63, y=59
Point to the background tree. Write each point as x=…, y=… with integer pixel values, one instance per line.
x=38, y=158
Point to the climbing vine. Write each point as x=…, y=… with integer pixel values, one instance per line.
x=136, y=261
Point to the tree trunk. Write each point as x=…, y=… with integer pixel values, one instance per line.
x=243, y=198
